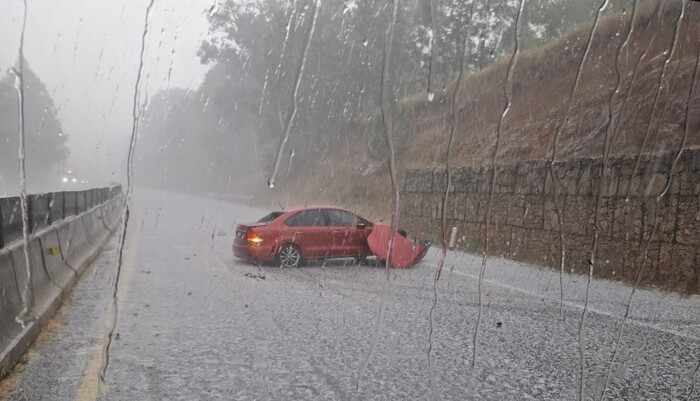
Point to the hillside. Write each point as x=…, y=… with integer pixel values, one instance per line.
x=543, y=80
x=354, y=172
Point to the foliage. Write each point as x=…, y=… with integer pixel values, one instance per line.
x=256, y=50
x=45, y=143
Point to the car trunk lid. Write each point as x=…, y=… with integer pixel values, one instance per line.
x=242, y=229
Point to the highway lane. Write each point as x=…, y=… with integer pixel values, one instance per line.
x=194, y=325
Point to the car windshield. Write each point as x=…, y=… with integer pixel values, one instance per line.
x=527, y=172
x=268, y=218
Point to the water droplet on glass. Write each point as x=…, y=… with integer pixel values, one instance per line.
x=271, y=183
x=60, y=133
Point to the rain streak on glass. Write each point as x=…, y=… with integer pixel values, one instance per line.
x=103, y=385
x=350, y=199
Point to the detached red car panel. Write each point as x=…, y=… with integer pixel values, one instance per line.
x=317, y=232
x=404, y=252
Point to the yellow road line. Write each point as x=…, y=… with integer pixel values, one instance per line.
x=88, y=390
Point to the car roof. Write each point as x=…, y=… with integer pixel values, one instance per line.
x=314, y=207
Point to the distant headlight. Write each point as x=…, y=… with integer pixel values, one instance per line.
x=65, y=179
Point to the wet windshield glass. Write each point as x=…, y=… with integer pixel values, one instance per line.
x=528, y=172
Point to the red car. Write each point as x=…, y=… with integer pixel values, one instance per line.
x=317, y=232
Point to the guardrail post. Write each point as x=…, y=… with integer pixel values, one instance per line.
x=2, y=227
x=49, y=218
x=30, y=213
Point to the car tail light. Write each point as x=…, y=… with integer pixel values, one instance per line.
x=254, y=238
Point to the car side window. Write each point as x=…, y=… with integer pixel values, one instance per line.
x=306, y=218
x=341, y=218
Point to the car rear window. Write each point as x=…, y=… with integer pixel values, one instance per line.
x=268, y=218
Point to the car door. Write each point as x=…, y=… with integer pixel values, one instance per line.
x=308, y=230
x=343, y=224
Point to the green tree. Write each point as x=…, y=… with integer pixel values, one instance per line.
x=255, y=52
x=45, y=143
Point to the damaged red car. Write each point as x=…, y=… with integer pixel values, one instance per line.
x=292, y=236
x=322, y=232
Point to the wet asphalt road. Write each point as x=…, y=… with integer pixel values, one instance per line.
x=193, y=326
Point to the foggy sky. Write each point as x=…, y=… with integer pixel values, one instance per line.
x=87, y=53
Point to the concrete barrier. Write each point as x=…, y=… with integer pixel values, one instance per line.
x=106, y=218
x=56, y=267
x=10, y=307
x=95, y=232
x=90, y=227
x=46, y=294
x=112, y=215
x=73, y=243
x=58, y=254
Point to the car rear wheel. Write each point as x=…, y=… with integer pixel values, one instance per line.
x=289, y=256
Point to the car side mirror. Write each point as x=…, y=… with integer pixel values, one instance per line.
x=361, y=225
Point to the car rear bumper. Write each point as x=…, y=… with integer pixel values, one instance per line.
x=244, y=251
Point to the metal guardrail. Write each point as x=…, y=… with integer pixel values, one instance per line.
x=45, y=209
x=242, y=199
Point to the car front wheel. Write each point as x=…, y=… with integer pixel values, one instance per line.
x=289, y=256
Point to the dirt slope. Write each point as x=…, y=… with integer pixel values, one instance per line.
x=649, y=107
x=543, y=81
